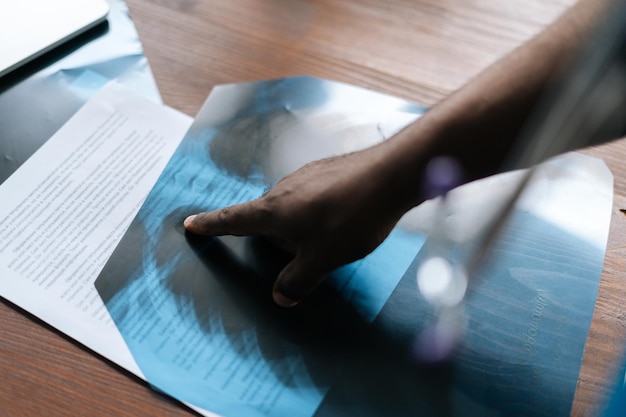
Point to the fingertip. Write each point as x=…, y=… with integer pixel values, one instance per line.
x=189, y=221
x=296, y=281
x=282, y=300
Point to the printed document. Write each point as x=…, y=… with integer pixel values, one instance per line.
x=64, y=211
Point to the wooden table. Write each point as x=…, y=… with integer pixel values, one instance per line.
x=416, y=49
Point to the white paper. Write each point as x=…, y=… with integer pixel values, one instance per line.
x=66, y=208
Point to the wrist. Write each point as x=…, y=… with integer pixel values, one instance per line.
x=401, y=161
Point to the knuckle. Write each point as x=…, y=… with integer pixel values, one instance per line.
x=224, y=215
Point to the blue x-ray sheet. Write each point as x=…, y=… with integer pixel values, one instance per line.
x=528, y=316
x=617, y=404
x=197, y=312
x=37, y=99
x=198, y=317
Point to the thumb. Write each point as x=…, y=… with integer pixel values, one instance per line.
x=295, y=282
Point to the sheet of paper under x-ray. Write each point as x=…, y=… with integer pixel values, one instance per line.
x=36, y=100
x=197, y=314
x=79, y=192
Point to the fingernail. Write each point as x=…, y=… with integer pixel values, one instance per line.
x=189, y=220
x=283, y=301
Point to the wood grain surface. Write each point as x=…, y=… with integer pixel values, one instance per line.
x=420, y=50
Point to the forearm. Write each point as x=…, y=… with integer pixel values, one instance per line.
x=478, y=124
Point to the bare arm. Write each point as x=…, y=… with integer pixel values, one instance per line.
x=337, y=210
x=490, y=111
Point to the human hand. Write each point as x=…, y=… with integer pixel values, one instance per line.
x=328, y=213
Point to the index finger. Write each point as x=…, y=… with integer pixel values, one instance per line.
x=239, y=220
